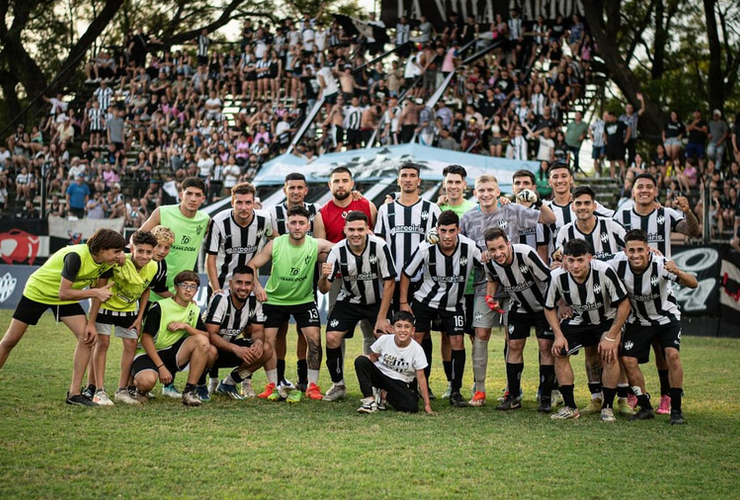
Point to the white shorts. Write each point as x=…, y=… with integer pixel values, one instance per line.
x=124, y=333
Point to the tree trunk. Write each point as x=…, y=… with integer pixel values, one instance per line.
x=661, y=38
x=715, y=80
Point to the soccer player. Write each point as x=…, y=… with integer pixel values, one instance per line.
x=520, y=272
x=290, y=292
x=445, y=268
x=363, y=265
x=659, y=223
x=329, y=222
x=532, y=236
x=188, y=223
x=174, y=337
x=395, y=361
x=597, y=297
x=234, y=321
x=655, y=316
x=60, y=284
x=122, y=314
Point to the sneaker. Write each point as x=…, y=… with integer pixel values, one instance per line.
x=284, y=388
x=566, y=413
x=594, y=406
x=632, y=400
x=457, y=400
x=447, y=393
x=80, y=400
x=625, y=408
x=294, y=397
x=503, y=398
x=229, y=390
x=314, y=391
x=101, y=398
x=213, y=385
x=677, y=417
x=545, y=405
x=202, y=392
x=607, y=415
x=139, y=396
x=664, y=408
x=643, y=414
x=368, y=406
x=150, y=395
x=511, y=403
x=335, y=392
x=247, y=390
x=556, y=399
x=269, y=389
x=301, y=386
x=478, y=399
x=88, y=392
x=171, y=391
x=190, y=398
x=123, y=396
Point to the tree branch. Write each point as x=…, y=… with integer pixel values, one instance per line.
x=640, y=30
x=218, y=23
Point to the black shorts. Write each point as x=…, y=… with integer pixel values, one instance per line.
x=353, y=137
x=306, y=315
x=345, y=316
x=168, y=357
x=451, y=322
x=227, y=359
x=582, y=336
x=615, y=153
x=438, y=326
x=29, y=311
x=331, y=99
x=638, y=339
x=520, y=325
x=338, y=134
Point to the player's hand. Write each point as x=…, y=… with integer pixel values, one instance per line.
x=356, y=195
x=121, y=259
x=164, y=375
x=258, y=350
x=655, y=251
x=503, y=200
x=442, y=200
x=389, y=199
x=259, y=292
x=176, y=325
x=492, y=303
x=683, y=204
x=428, y=409
x=216, y=291
x=406, y=307
x=609, y=348
x=136, y=326
x=564, y=312
x=485, y=256
x=558, y=346
x=558, y=254
x=90, y=335
x=432, y=236
x=656, y=205
x=244, y=353
x=326, y=269
x=104, y=293
x=671, y=267
x=382, y=327
x=526, y=196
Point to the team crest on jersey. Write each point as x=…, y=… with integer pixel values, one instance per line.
x=198, y=229
x=478, y=316
x=424, y=215
x=628, y=345
x=344, y=214
x=334, y=323
x=523, y=269
x=373, y=259
x=307, y=260
x=511, y=329
x=604, y=237
x=191, y=316
x=654, y=280
x=260, y=233
x=660, y=219
x=463, y=261
x=597, y=288
x=502, y=223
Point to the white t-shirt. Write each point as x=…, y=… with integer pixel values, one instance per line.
x=205, y=166
x=546, y=147
x=231, y=175
x=329, y=80
x=399, y=363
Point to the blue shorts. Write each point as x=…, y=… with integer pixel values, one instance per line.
x=598, y=152
x=694, y=149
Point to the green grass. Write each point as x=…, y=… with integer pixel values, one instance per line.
x=255, y=449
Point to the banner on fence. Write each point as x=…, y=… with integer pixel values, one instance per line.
x=704, y=263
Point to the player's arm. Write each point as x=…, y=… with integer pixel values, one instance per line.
x=153, y=221
x=547, y=216
x=327, y=271
x=421, y=379
x=259, y=260
x=72, y=265
x=403, y=293
x=199, y=329
x=212, y=246
x=212, y=272
x=382, y=325
x=325, y=247
x=319, y=230
x=610, y=340
x=690, y=225
x=147, y=342
x=373, y=213
x=257, y=331
x=143, y=304
x=683, y=278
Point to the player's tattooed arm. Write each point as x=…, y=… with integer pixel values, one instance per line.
x=690, y=225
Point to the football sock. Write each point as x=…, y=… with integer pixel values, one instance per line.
x=623, y=390
x=513, y=376
x=567, y=392
x=272, y=377
x=547, y=380
x=676, y=395
x=595, y=389
x=334, y=364
x=609, y=393
x=302, y=371
x=458, y=368
x=281, y=369
x=480, y=363
x=448, y=369
x=313, y=376
x=244, y=374
x=665, y=385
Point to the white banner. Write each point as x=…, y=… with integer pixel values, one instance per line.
x=81, y=229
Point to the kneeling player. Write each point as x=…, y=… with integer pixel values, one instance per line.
x=174, y=336
x=396, y=360
x=655, y=315
x=231, y=313
x=597, y=297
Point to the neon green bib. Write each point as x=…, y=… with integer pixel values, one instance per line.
x=129, y=284
x=172, y=311
x=293, y=268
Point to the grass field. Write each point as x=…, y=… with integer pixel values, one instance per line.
x=255, y=449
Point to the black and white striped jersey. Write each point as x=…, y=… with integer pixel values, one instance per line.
x=203, y=43
x=352, y=118
x=233, y=244
x=404, y=228
x=103, y=96
x=362, y=275
x=95, y=116
x=532, y=236
x=564, y=214
x=650, y=292
x=658, y=224
x=443, y=277
x=605, y=239
x=279, y=217
x=524, y=280
x=593, y=301
x=230, y=319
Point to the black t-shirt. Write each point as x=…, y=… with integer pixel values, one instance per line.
x=674, y=129
x=487, y=108
x=72, y=265
x=615, y=134
x=458, y=128
x=698, y=136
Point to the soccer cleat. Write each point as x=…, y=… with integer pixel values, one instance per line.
x=632, y=400
x=269, y=389
x=625, y=408
x=478, y=399
x=229, y=390
x=190, y=398
x=335, y=392
x=150, y=395
x=294, y=397
x=79, y=400
x=139, y=396
x=314, y=391
x=368, y=406
x=664, y=408
x=88, y=392
x=503, y=398
x=202, y=392
x=566, y=413
x=171, y=391
x=511, y=403
x=594, y=406
x=643, y=414
x=247, y=390
x=302, y=386
x=275, y=396
x=545, y=405
x=123, y=396
x=607, y=415
x=213, y=385
x=101, y=398
x=447, y=392
x=677, y=417
x=556, y=399
x=457, y=400
x=284, y=388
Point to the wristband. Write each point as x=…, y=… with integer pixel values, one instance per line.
x=403, y=303
x=160, y=366
x=537, y=203
x=606, y=337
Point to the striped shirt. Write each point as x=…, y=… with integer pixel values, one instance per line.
x=525, y=279
x=231, y=320
x=564, y=214
x=203, y=43
x=650, y=292
x=279, y=217
x=236, y=245
x=658, y=224
x=362, y=275
x=605, y=239
x=404, y=228
x=597, y=131
x=95, y=115
x=104, y=96
x=352, y=118
x=444, y=277
x=592, y=301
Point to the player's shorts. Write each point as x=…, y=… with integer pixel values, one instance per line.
x=484, y=316
x=638, y=339
x=227, y=359
x=29, y=311
x=306, y=315
x=582, y=336
x=520, y=324
x=437, y=325
x=143, y=362
x=452, y=322
x=345, y=316
x=118, y=322
x=597, y=152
